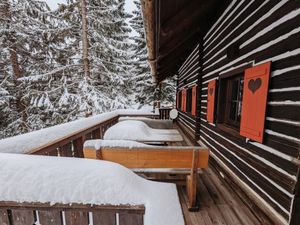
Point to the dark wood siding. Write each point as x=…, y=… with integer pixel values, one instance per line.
x=188, y=75
x=264, y=31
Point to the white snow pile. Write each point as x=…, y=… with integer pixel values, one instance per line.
x=27, y=178
x=153, y=123
x=98, y=143
x=26, y=143
x=144, y=111
x=139, y=131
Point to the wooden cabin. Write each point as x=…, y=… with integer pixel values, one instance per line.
x=237, y=65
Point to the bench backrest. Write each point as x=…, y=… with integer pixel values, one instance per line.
x=160, y=157
x=12, y=213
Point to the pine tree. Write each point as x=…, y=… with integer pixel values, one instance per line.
x=146, y=91
x=111, y=50
x=21, y=22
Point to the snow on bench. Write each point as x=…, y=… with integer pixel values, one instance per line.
x=30, y=142
x=139, y=131
x=153, y=123
x=135, y=155
x=41, y=180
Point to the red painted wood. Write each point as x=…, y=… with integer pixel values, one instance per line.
x=177, y=99
x=194, y=100
x=183, y=100
x=211, y=94
x=255, y=94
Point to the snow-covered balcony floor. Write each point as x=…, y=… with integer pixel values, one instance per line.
x=218, y=203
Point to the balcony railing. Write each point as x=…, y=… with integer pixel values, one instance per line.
x=67, y=139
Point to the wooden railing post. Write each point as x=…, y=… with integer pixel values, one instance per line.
x=96, y=133
x=66, y=150
x=78, y=147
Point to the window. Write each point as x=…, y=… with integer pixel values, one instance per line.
x=189, y=96
x=230, y=100
x=242, y=100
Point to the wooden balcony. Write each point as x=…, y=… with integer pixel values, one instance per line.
x=218, y=203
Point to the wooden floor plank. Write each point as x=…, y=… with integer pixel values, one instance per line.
x=246, y=216
x=229, y=196
x=204, y=198
x=229, y=215
x=217, y=196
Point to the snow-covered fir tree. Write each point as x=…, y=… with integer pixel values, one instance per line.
x=110, y=51
x=65, y=93
x=21, y=23
x=43, y=78
x=146, y=91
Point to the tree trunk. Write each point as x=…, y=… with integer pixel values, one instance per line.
x=17, y=72
x=85, y=42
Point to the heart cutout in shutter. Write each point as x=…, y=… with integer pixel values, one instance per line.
x=254, y=85
x=211, y=91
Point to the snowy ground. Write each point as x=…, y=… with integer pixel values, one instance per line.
x=30, y=178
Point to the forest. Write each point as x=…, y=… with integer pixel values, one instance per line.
x=78, y=60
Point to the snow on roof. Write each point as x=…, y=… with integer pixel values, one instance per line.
x=139, y=131
x=26, y=143
x=63, y=180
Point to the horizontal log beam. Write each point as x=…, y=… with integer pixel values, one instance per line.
x=138, y=209
x=149, y=15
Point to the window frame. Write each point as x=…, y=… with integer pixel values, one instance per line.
x=222, y=106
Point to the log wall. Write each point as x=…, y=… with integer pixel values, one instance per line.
x=188, y=75
x=263, y=31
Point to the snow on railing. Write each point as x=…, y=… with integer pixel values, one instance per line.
x=57, y=190
x=66, y=139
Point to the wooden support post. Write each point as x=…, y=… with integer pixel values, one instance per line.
x=192, y=183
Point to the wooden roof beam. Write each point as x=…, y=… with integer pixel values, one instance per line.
x=149, y=17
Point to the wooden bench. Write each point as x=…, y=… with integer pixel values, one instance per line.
x=13, y=213
x=147, y=156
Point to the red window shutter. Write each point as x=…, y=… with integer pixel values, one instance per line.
x=211, y=93
x=183, y=100
x=194, y=100
x=177, y=99
x=255, y=93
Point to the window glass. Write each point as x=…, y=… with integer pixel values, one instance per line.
x=230, y=102
x=189, y=95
